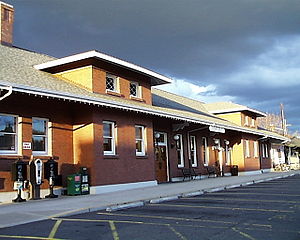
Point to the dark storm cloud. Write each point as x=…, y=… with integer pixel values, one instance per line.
x=203, y=41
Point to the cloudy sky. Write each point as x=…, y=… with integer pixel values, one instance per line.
x=245, y=51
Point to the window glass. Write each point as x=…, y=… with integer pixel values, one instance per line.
x=193, y=151
x=134, y=89
x=8, y=135
x=140, y=140
x=39, y=135
x=204, y=151
x=109, y=138
x=179, y=149
x=111, y=82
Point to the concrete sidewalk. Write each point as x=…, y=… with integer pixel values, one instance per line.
x=35, y=210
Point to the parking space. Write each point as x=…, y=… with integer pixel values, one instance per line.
x=268, y=210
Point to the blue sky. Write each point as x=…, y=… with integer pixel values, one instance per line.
x=215, y=50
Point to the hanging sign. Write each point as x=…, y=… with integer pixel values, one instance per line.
x=216, y=129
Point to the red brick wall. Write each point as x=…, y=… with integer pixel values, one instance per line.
x=6, y=35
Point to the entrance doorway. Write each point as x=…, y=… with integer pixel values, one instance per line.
x=161, y=157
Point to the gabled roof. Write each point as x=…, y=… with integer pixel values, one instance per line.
x=17, y=71
x=81, y=58
x=229, y=107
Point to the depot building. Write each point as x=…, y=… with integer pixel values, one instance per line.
x=101, y=112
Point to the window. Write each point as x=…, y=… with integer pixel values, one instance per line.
x=227, y=154
x=140, y=140
x=265, y=151
x=193, y=151
x=134, y=89
x=255, y=149
x=247, y=149
x=252, y=122
x=39, y=136
x=205, y=153
x=179, y=150
x=109, y=140
x=6, y=15
x=111, y=83
x=246, y=121
x=8, y=134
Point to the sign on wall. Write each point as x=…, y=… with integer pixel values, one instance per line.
x=216, y=129
x=26, y=145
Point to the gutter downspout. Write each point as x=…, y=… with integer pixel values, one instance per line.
x=9, y=92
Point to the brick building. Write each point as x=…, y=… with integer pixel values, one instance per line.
x=101, y=112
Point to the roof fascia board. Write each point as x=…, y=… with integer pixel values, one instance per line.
x=95, y=54
x=112, y=104
x=261, y=114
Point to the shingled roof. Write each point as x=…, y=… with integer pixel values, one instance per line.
x=18, y=72
x=228, y=107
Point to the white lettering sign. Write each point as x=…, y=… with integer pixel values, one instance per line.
x=26, y=145
x=216, y=129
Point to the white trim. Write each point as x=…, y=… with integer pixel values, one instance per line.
x=6, y=4
x=247, y=148
x=124, y=106
x=239, y=109
x=17, y=136
x=205, y=151
x=181, y=152
x=102, y=56
x=113, y=137
x=46, y=152
x=255, y=149
x=121, y=187
x=143, y=140
x=192, y=141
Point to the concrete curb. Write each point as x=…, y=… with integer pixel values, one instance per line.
x=125, y=206
x=164, y=199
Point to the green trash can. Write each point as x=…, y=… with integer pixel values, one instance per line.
x=74, y=184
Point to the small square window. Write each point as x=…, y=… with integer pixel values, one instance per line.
x=134, y=89
x=111, y=83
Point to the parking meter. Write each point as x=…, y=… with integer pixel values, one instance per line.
x=51, y=173
x=19, y=175
x=36, y=177
x=85, y=189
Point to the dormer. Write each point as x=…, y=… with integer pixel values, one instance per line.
x=236, y=113
x=104, y=74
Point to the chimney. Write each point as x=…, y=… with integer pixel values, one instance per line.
x=6, y=23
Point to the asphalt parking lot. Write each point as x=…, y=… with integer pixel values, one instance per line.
x=268, y=210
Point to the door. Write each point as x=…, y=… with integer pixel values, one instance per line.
x=161, y=158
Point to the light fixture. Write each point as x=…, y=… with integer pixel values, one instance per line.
x=226, y=142
x=157, y=135
x=216, y=141
x=176, y=137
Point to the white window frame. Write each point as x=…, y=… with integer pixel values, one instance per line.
x=116, y=83
x=246, y=121
x=227, y=155
x=247, y=149
x=205, y=151
x=12, y=152
x=252, y=122
x=113, y=138
x=255, y=149
x=193, y=142
x=181, y=164
x=42, y=153
x=266, y=151
x=143, y=140
x=138, y=90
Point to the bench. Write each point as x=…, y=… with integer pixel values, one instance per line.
x=189, y=173
x=213, y=170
